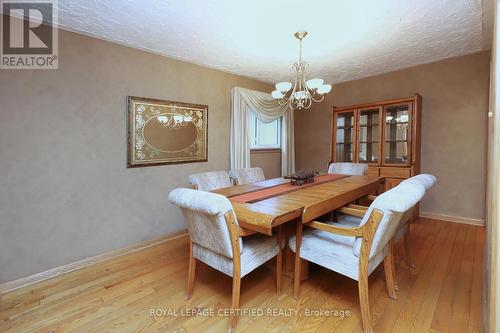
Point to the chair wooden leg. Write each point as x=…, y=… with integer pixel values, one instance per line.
x=235, y=246
x=235, y=303
x=191, y=272
x=368, y=232
x=407, y=243
x=279, y=261
x=304, y=269
x=389, y=272
x=297, y=275
x=364, y=302
x=393, y=265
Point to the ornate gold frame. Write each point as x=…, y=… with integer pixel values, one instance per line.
x=171, y=122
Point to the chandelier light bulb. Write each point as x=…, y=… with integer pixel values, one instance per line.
x=324, y=88
x=314, y=83
x=283, y=86
x=277, y=94
x=300, y=94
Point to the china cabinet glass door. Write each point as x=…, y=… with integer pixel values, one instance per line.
x=344, y=131
x=369, y=135
x=397, y=120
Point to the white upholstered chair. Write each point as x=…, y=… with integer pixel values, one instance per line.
x=247, y=175
x=424, y=179
x=216, y=239
x=403, y=231
x=427, y=181
x=355, y=251
x=208, y=181
x=344, y=168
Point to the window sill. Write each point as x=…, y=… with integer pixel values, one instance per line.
x=265, y=150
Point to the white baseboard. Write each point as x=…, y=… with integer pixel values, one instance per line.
x=452, y=218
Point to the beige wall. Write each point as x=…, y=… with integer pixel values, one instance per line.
x=454, y=127
x=65, y=191
x=491, y=304
x=268, y=160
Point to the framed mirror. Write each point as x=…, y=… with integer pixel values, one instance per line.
x=165, y=132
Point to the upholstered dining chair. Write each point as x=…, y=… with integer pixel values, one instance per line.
x=247, y=176
x=216, y=239
x=356, y=251
x=208, y=181
x=344, y=168
x=427, y=181
x=403, y=231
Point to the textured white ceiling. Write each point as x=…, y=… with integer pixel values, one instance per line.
x=347, y=39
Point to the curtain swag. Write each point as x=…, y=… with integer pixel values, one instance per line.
x=266, y=109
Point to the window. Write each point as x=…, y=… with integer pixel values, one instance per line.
x=264, y=135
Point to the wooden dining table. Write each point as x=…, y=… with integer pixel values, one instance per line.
x=302, y=203
x=264, y=205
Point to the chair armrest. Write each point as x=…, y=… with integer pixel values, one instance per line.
x=366, y=231
x=352, y=211
x=357, y=207
x=356, y=232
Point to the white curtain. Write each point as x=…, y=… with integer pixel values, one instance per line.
x=266, y=109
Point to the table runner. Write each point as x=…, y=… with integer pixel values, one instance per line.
x=273, y=191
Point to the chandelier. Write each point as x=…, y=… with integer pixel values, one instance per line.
x=304, y=92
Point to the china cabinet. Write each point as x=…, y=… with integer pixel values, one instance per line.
x=384, y=134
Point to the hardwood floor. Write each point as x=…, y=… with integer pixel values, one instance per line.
x=443, y=293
